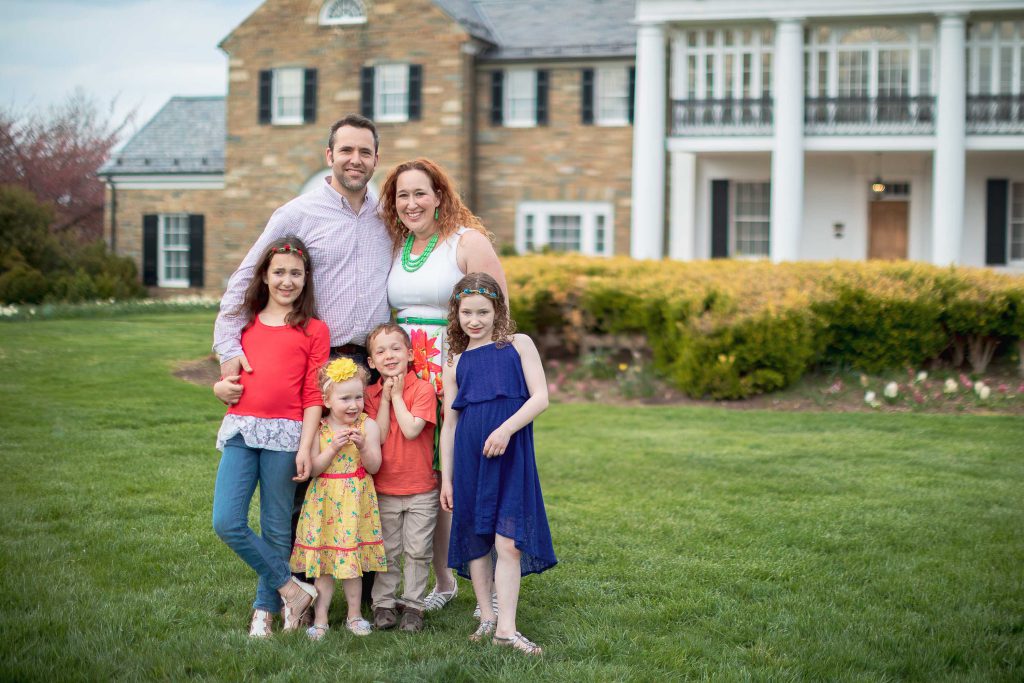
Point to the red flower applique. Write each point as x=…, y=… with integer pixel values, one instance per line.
x=423, y=349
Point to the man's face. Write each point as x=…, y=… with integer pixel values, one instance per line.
x=352, y=160
x=389, y=354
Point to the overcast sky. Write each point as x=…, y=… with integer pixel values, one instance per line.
x=140, y=51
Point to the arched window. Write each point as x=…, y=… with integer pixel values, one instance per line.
x=342, y=12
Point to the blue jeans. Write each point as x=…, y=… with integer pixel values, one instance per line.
x=241, y=468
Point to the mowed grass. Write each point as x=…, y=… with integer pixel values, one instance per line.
x=694, y=543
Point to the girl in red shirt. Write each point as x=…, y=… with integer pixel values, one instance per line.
x=267, y=435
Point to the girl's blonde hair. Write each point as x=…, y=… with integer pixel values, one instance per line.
x=486, y=286
x=326, y=378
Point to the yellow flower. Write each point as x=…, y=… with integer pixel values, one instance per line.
x=341, y=370
x=623, y=367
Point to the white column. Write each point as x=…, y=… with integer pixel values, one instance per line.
x=788, y=151
x=648, y=214
x=682, y=205
x=948, y=171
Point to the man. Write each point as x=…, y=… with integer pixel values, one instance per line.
x=350, y=254
x=349, y=251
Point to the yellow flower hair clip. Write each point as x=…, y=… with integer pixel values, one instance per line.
x=341, y=370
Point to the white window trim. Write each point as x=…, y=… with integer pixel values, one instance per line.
x=525, y=122
x=162, y=281
x=600, y=91
x=342, y=21
x=275, y=118
x=723, y=86
x=995, y=43
x=1010, y=221
x=733, y=216
x=588, y=213
x=378, y=95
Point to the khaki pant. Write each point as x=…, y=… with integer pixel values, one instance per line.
x=407, y=524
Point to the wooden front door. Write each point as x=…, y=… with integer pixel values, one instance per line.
x=887, y=230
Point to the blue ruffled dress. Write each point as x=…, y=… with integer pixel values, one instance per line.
x=502, y=494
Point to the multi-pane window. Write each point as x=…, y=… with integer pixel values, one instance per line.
x=342, y=12
x=520, y=97
x=869, y=61
x=751, y=224
x=1017, y=222
x=995, y=58
x=723, y=64
x=582, y=227
x=391, y=92
x=173, y=250
x=612, y=96
x=286, y=96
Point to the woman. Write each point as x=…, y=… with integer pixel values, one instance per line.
x=437, y=240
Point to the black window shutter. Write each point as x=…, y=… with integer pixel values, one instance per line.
x=632, y=91
x=195, y=250
x=719, y=218
x=266, y=84
x=415, y=92
x=497, y=98
x=366, y=83
x=542, y=97
x=996, y=224
x=587, y=97
x=309, y=97
x=149, y=246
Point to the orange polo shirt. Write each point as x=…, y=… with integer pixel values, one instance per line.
x=407, y=466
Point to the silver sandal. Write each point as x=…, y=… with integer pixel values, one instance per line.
x=486, y=628
x=519, y=642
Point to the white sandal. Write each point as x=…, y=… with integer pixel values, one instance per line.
x=519, y=642
x=317, y=631
x=296, y=606
x=358, y=626
x=262, y=624
x=436, y=599
x=494, y=606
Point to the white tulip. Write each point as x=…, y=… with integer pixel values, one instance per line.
x=892, y=390
x=950, y=386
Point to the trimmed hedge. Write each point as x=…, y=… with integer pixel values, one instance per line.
x=730, y=329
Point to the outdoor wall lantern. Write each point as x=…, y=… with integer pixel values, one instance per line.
x=837, y=229
x=878, y=187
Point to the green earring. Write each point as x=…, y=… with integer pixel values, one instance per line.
x=398, y=221
x=436, y=213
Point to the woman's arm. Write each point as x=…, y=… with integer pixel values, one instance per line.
x=447, y=441
x=475, y=254
x=536, y=384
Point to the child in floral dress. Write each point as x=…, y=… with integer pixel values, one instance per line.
x=338, y=535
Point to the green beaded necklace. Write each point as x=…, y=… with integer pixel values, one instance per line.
x=410, y=263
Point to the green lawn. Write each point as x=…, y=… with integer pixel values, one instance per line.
x=695, y=543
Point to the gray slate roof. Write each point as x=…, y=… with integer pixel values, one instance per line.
x=560, y=29
x=185, y=136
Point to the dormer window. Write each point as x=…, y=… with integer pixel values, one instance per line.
x=336, y=12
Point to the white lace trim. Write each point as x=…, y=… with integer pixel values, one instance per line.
x=275, y=434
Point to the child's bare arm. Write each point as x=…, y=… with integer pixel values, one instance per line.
x=369, y=449
x=410, y=425
x=536, y=384
x=447, y=441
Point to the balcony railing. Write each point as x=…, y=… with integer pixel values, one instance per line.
x=995, y=114
x=869, y=115
x=722, y=117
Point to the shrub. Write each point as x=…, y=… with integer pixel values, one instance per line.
x=23, y=285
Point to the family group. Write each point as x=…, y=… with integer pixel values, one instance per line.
x=381, y=444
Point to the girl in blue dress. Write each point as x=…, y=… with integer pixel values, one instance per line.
x=494, y=388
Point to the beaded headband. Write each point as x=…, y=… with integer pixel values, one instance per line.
x=481, y=291
x=341, y=370
x=288, y=249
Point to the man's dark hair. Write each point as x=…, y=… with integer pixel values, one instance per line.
x=356, y=121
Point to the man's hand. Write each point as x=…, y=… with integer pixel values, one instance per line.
x=229, y=390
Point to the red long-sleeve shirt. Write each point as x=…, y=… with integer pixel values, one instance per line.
x=285, y=361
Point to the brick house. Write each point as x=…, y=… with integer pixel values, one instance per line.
x=528, y=104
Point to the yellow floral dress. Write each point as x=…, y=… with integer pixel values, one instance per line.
x=339, y=529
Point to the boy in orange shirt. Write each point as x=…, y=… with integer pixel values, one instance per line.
x=405, y=409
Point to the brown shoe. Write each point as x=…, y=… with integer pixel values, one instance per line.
x=412, y=620
x=384, y=618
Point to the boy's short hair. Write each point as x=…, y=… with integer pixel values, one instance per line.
x=387, y=328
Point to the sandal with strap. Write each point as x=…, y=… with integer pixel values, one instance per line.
x=519, y=642
x=494, y=606
x=297, y=604
x=358, y=626
x=486, y=628
x=436, y=599
x=261, y=624
x=317, y=631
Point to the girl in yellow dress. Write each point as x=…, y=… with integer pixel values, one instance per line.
x=338, y=535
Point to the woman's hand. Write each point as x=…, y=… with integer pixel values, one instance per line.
x=497, y=442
